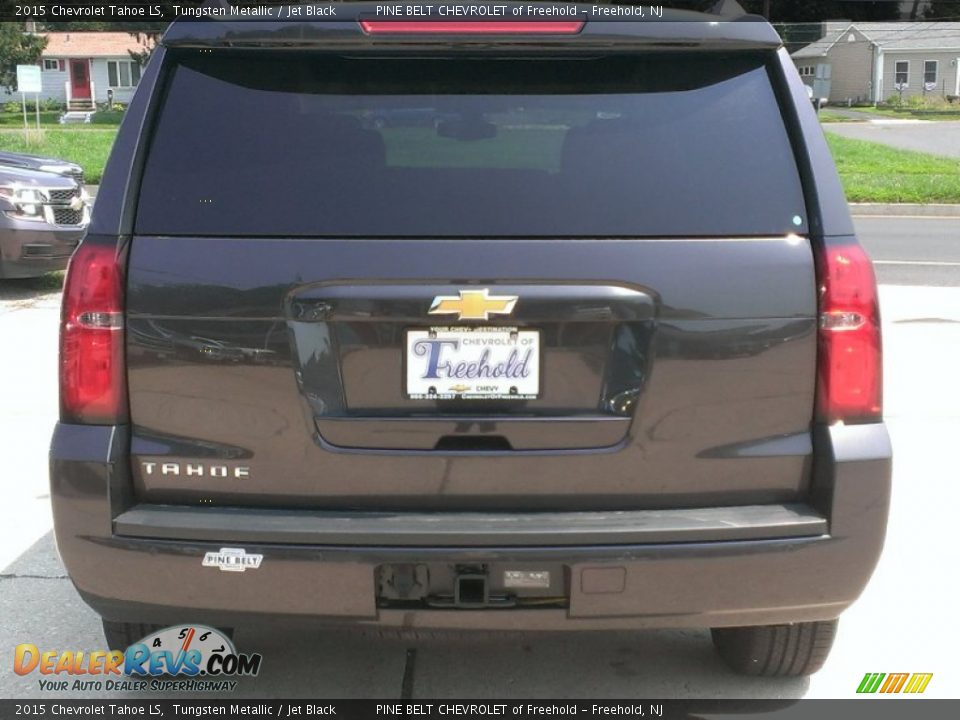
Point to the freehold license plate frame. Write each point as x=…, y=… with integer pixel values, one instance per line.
x=472, y=363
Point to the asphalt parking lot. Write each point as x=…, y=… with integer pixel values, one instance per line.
x=934, y=137
x=905, y=621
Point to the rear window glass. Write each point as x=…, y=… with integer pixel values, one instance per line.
x=309, y=145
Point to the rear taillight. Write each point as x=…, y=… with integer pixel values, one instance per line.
x=850, y=377
x=477, y=27
x=92, y=389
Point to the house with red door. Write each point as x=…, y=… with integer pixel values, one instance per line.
x=80, y=69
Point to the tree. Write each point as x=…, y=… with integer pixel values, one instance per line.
x=943, y=10
x=81, y=26
x=17, y=48
x=818, y=10
x=148, y=32
x=145, y=32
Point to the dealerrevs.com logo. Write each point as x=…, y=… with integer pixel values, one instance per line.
x=189, y=658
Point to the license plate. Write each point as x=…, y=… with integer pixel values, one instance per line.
x=464, y=363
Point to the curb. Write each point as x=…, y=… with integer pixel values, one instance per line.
x=905, y=210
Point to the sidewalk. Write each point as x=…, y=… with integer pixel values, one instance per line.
x=904, y=210
x=851, y=113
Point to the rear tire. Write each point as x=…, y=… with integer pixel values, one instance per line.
x=776, y=650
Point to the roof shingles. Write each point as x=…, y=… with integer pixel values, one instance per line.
x=92, y=44
x=893, y=36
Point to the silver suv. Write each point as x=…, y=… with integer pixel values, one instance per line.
x=42, y=218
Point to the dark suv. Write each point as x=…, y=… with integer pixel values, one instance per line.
x=43, y=215
x=42, y=164
x=596, y=350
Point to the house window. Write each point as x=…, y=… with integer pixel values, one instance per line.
x=930, y=72
x=806, y=71
x=123, y=73
x=49, y=64
x=901, y=73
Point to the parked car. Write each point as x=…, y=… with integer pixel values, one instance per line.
x=42, y=164
x=42, y=218
x=603, y=353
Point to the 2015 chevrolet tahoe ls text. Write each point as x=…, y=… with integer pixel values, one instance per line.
x=554, y=325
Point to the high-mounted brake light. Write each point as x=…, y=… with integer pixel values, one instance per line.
x=441, y=27
x=92, y=387
x=850, y=377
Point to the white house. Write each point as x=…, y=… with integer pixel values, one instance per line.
x=79, y=68
x=870, y=61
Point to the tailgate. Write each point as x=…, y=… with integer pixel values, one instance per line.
x=471, y=284
x=645, y=402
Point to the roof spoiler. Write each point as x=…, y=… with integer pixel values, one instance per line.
x=724, y=25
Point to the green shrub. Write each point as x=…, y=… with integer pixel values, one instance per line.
x=48, y=105
x=926, y=102
x=895, y=100
x=936, y=102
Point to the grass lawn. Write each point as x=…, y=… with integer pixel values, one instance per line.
x=828, y=116
x=870, y=172
x=89, y=146
x=51, y=119
x=15, y=120
x=875, y=173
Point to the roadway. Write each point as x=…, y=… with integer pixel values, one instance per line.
x=934, y=137
x=912, y=250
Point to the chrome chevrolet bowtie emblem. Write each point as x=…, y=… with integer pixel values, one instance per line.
x=473, y=305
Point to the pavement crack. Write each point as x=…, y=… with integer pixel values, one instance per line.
x=18, y=576
x=406, y=686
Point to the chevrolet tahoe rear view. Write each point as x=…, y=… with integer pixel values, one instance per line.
x=588, y=344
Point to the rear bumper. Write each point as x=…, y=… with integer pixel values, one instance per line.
x=718, y=567
x=32, y=249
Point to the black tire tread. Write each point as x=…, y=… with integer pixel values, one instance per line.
x=776, y=650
